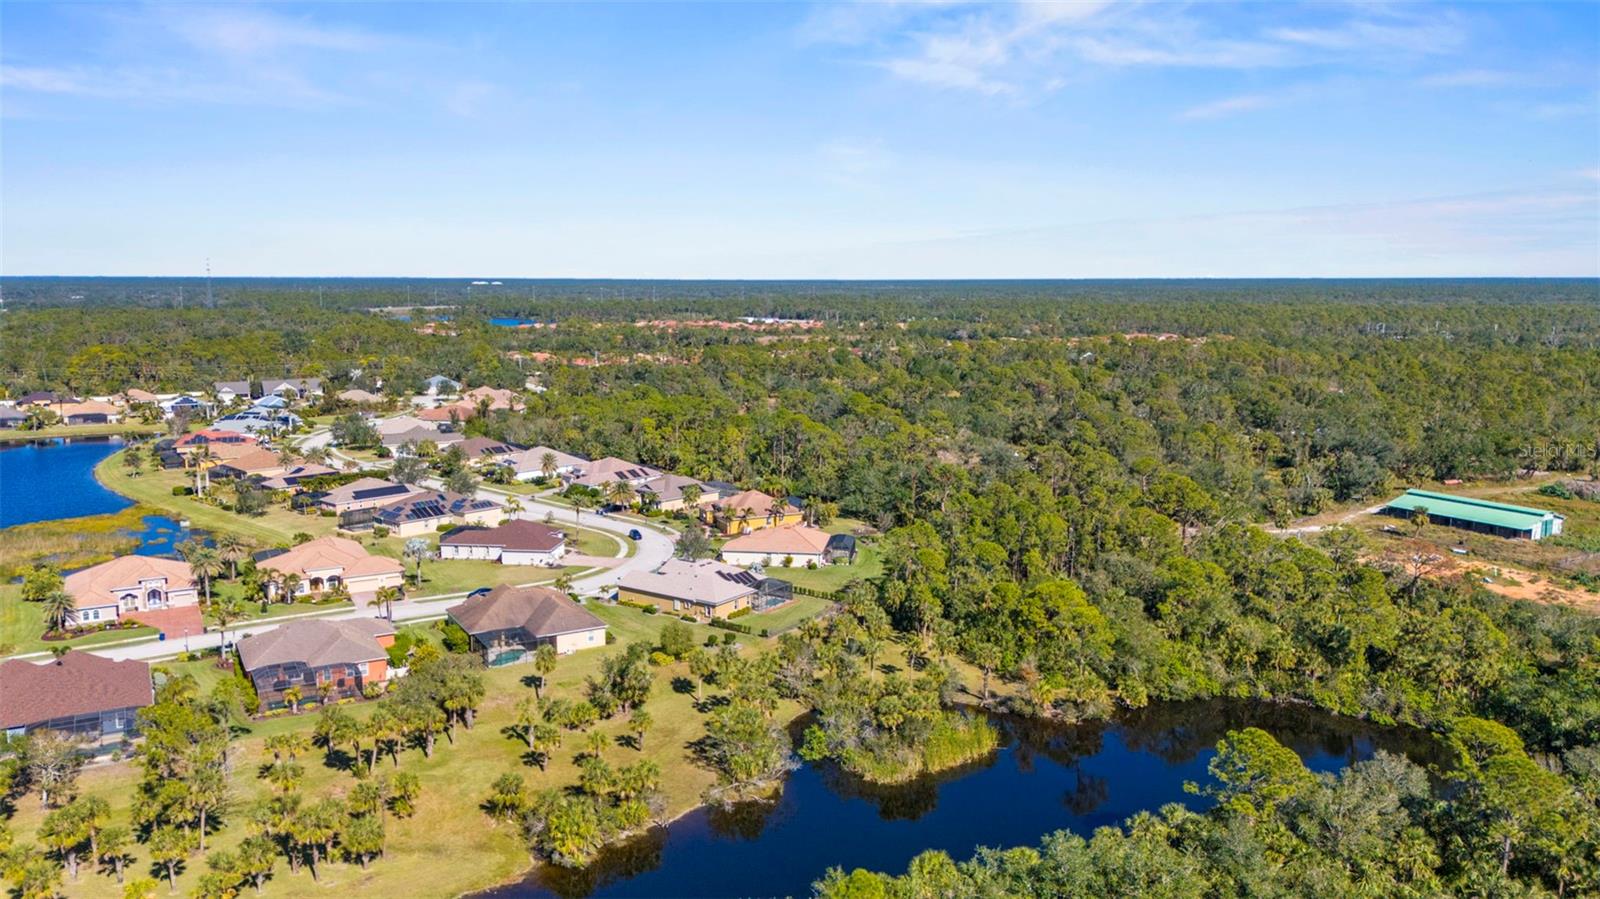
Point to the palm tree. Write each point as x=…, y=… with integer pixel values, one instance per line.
x=205, y=563
x=202, y=460
x=232, y=548
x=621, y=493
x=777, y=511
x=547, y=465
x=317, y=455
x=59, y=606
x=225, y=611
x=690, y=494
x=386, y=597
x=580, y=502
x=289, y=585
x=544, y=663
x=292, y=696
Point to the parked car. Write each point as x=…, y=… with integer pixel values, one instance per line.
x=635, y=535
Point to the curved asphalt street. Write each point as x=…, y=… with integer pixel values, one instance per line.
x=654, y=548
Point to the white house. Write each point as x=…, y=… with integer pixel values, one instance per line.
x=516, y=542
x=796, y=544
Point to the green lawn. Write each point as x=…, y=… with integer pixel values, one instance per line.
x=788, y=615
x=449, y=847
x=154, y=488
x=22, y=627
x=831, y=578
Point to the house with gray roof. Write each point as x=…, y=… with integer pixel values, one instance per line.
x=705, y=588
x=337, y=657
x=508, y=623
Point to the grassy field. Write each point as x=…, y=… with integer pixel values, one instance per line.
x=831, y=578
x=789, y=615
x=22, y=626
x=70, y=542
x=127, y=427
x=449, y=846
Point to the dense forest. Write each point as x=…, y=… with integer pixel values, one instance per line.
x=1066, y=482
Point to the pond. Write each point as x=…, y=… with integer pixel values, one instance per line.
x=513, y=322
x=48, y=479
x=45, y=480
x=1043, y=778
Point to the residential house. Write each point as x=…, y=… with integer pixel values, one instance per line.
x=750, y=510
x=364, y=493
x=508, y=624
x=291, y=478
x=426, y=512
x=499, y=399
x=790, y=545
x=129, y=586
x=185, y=405
x=228, y=391
x=705, y=588
x=517, y=542
x=44, y=398
x=439, y=385
x=259, y=462
x=449, y=413
x=402, y=443
x=90, y=697
x=326, y=659
x=11, y=417
x=89, y=412
x=327, y=562
x=258, y=421
x=272, y=402
x=666, y=492
x=292, y=388
x=485, y=449
x=360, y=397
x=400, y=424
x=600, y=472
x=213, y=440
x=528, y=464
x=135, y=396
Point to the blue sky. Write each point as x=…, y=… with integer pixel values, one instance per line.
x=758, y=140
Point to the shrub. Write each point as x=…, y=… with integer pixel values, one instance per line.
x=326, y=513
x=711, y=639
x=740, y=613
x=651, y=610
x=380, y=531
x=610, y=638
x=659, y=659
x=788, y=561
x=455, y=639
x=676, y=639
x=400, y=650
x=766, y=632
x=729, y=639
x=181, y=490
x=301, y=537
x=730, y=626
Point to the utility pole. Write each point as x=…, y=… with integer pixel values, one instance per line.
x=211, y=302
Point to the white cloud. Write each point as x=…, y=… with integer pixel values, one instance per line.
x=255, y=32
x=1472, y=78
x=1226, y=107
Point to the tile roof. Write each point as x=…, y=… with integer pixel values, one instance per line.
x=705, y=581
x=791, y=540
x=79, y=683
x=516, y=535
x=297, y=474
x=757, y=502
x=533, y=459
x=669, y=487
x=257, y=460
x=316, y=643
x=94, y=586
x=332, y=552
x=538, y=611
x=485, y=446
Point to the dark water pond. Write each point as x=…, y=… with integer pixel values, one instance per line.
x=1043, y=778
x=50, y=479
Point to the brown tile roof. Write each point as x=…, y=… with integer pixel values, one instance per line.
x=706, y=581
x=80, y=683
x=358, y=491
x=316, y=643
x=258, y=460
x=332, y=552
x=538, y=611
x=757, y=502
x=93, y=586
x=463, y=411
x=517, y=535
